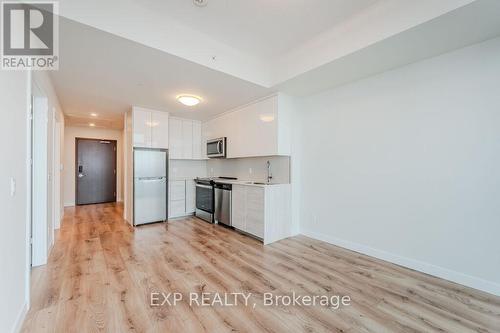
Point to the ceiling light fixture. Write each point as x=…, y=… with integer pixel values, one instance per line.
x=200, y=3
x=93, y=114
x=189, y=100
x=267, y=118
x=91, y=124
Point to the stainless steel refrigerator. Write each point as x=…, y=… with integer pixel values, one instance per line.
x=150, y=185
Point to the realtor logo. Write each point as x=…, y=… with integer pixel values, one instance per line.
x=29, y=35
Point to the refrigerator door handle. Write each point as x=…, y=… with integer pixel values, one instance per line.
x=151, y=179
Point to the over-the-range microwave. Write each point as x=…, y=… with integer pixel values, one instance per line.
x=216, y=148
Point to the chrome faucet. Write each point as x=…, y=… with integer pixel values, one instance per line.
x=269, y=175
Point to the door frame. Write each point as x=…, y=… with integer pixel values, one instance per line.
x=40, y=183
x=76, y=166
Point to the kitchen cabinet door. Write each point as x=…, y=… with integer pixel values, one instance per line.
x=177, y=208
x=190, y=196
x=238, y=207
x=142, y=128
x=159, y=130
x=187, y=139
x=175, y=138
x=197, y=152
x=177, y=190
x=177, y=198
x=255, y=211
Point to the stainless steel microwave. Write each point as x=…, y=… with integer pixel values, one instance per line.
x=216, y=148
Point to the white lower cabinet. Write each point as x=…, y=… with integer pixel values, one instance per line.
x=177, y=198
x=238, y=207
x=177, y=208
x=190, y=196
x=182, y=198
x=248, y=209
x=256, y=211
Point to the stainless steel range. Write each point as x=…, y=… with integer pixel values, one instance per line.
x=205, y=199
x=209, y=207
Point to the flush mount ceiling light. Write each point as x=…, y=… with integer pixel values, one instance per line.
x=189, y=100
x=93, y=114
x=200, y=3
x=91, y=124
x=267, y=118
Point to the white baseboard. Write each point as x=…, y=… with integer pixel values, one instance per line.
x=20, y=319
x=440, y=272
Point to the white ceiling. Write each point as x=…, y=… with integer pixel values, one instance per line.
x=231, y=52
x=265, y=42
x=105, y=74
x=261, y=28
x=453, y=30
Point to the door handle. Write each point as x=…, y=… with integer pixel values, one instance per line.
x=80, y=171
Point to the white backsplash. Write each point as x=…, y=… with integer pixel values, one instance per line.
x=251, y=168
x=190, y=169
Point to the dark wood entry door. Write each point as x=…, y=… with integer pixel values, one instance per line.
x=95, y=171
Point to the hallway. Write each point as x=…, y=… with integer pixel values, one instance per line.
x=101, y=273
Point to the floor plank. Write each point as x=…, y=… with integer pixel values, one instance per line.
x=101, y=273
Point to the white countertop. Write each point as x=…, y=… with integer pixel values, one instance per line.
x=234, y=182
x=248, y=182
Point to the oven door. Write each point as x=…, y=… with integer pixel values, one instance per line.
x=216, y=148
x=205, y=198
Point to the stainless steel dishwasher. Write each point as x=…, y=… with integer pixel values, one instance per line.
x=223, y=203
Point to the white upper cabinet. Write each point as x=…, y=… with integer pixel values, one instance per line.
x=258, y=129
x=197, y=150
x=159, y=129
x=142, y=131
x=150, y=128
x=185, y=139
x=175, y=133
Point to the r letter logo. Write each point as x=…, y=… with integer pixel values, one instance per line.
x=29, y=35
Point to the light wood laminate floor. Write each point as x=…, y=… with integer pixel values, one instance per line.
x=101, y=273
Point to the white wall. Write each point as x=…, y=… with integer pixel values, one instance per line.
x=70, y=134
x=405, y=166
x=187, y=169
x=14, y=88
x=240, y=168
x=43, y=86
x=128, y=170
